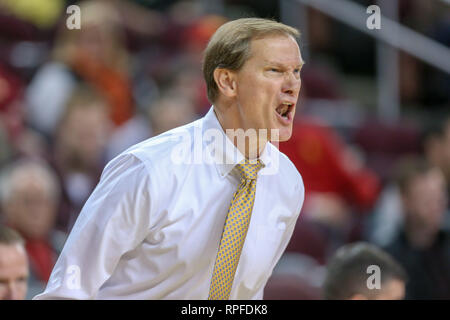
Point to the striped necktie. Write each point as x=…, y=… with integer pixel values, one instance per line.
x=234, y=232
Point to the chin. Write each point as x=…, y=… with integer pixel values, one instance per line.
x=284, y=134
x=282, y=137
x=285, y=138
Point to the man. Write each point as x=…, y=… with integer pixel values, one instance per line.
x=350, y=272
x=13, y=265
x=29, y=197
x=388, y=219
x=169, y=213
x=422, y=245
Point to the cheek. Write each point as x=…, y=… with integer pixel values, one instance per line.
x=255, y=102
x=258, y=88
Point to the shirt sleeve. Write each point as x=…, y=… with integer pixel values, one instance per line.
x=113, y=221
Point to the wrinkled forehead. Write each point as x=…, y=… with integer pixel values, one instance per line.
x=426, y=183
x=12, y=255
x=281, y=48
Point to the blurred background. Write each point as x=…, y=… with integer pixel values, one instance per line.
x=371, y=135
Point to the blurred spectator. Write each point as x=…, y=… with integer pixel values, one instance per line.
x=13, y=265
x=29, y=195
x=386, y=220
x=187, y=81
x=348, y=275
x=138, y=18
x=79, y=150
x=94, y=54
x=170, y=111
x=436, y=144
x=423, y=245
x=180, y=68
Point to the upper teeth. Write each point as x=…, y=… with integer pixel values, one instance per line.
x=283, y=108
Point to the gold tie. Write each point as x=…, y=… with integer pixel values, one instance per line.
x=234, y=232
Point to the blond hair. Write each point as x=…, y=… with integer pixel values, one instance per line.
x=229, y=47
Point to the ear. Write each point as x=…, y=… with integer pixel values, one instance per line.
x=226, y=82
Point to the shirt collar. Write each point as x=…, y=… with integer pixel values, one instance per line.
x=224, y=153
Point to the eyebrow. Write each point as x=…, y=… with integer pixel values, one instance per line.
x=282, y=65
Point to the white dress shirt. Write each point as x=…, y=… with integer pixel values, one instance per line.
x=151, y=229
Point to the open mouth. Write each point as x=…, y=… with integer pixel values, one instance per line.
x=285, y=109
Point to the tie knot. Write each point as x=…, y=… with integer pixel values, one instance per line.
x=249, y=168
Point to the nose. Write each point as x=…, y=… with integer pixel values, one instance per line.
x=292, y=84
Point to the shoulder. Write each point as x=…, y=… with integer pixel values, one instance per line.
x=161, y=153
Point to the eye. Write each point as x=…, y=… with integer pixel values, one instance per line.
x=274, y=70
x=22, y=279
x=297, y=73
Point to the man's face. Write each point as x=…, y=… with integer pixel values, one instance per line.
x=268, y=85
x=85, y=134
x=169, y=113
x=13, y=272
x=31, y=209
x=426, y=200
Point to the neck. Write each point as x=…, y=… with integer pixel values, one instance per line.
x=249, y=142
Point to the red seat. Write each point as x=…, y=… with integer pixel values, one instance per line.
x=310, y=240
x=290, y=287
